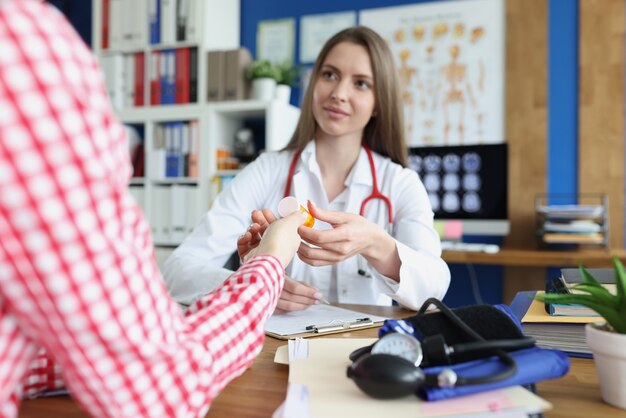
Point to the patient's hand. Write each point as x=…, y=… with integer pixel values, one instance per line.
x=279, y=239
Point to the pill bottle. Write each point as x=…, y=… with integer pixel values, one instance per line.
x=289, y=205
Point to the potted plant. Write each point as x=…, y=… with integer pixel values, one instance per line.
x=286, y=80
x=264, y=76
x=607, y=340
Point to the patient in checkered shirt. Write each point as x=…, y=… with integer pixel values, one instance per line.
x=82, y=302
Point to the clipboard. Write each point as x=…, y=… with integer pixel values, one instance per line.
x=319, y=320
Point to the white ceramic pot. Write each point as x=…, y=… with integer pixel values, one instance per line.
x=609, y=353
x=283, y=93
x=263, y=89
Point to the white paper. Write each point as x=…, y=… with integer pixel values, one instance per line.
x=297, y=403
x=298, y=349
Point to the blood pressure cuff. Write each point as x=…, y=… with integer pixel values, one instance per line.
x=495, y=322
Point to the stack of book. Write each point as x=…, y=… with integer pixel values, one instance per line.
x=566, y=333
x=564, y=284
x=561, y=326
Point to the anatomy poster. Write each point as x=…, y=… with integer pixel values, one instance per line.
x=450, y=56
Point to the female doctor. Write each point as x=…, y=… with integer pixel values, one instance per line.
x=373, y=239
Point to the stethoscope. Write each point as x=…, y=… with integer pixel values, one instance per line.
x=376, y=194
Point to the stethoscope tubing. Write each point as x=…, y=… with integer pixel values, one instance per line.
x=376, y=194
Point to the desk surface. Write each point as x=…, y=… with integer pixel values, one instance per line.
x=538, y=258
x=262, y=388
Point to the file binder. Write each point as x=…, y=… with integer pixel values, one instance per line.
x=236, y=85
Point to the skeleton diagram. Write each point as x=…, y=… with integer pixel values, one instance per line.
x=457, y=91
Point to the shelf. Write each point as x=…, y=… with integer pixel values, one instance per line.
x=171, y=132
x=223, y=173
x=245, y=108
x=162, y=113
x=538, y=258
x=175, y=180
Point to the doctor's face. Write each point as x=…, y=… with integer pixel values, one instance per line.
x=343, y=97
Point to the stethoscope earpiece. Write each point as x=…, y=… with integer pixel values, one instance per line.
x=385, y=376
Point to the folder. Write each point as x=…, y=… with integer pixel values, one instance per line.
x=182, y=75
x=236, y=84
x=318, y=387
x=139, y=78
x=216, y=67
x=318, y=320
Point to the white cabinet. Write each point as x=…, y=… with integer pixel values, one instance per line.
x=182, y=132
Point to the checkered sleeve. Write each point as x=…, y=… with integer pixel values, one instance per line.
x=77, y=271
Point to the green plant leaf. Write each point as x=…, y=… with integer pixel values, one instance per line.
x=620, y=278
x=288, y=74
x=587, y=300
x=599, y=292
x=611, y=307
x=263, y=69
x=587, y=278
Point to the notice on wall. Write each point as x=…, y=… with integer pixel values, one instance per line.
x=450, y=57
x=315, y=30
x=275, y=40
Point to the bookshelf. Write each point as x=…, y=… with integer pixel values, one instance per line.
x=181, y=131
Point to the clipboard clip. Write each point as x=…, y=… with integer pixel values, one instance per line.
x=339, y=325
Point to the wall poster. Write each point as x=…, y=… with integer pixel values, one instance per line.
x=450, y=56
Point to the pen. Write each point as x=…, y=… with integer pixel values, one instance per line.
x=327, y=327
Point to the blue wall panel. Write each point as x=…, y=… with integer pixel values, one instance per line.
x=79, y=13
x=563, y=96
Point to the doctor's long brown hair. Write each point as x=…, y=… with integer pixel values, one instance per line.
x=384, y=133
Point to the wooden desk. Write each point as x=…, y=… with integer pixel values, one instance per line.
x=537, y=258
x=525, y=269
x=262, y=388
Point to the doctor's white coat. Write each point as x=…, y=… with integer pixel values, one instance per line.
x=194, y=268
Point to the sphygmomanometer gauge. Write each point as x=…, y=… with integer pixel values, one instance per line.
x=401, y=345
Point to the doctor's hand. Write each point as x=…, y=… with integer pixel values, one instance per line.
x=261, y=219
x=279, y=239
x=351, y=234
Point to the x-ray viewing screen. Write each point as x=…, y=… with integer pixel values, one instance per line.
x=464, y=182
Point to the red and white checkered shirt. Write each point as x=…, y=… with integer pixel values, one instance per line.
x=77, y=272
